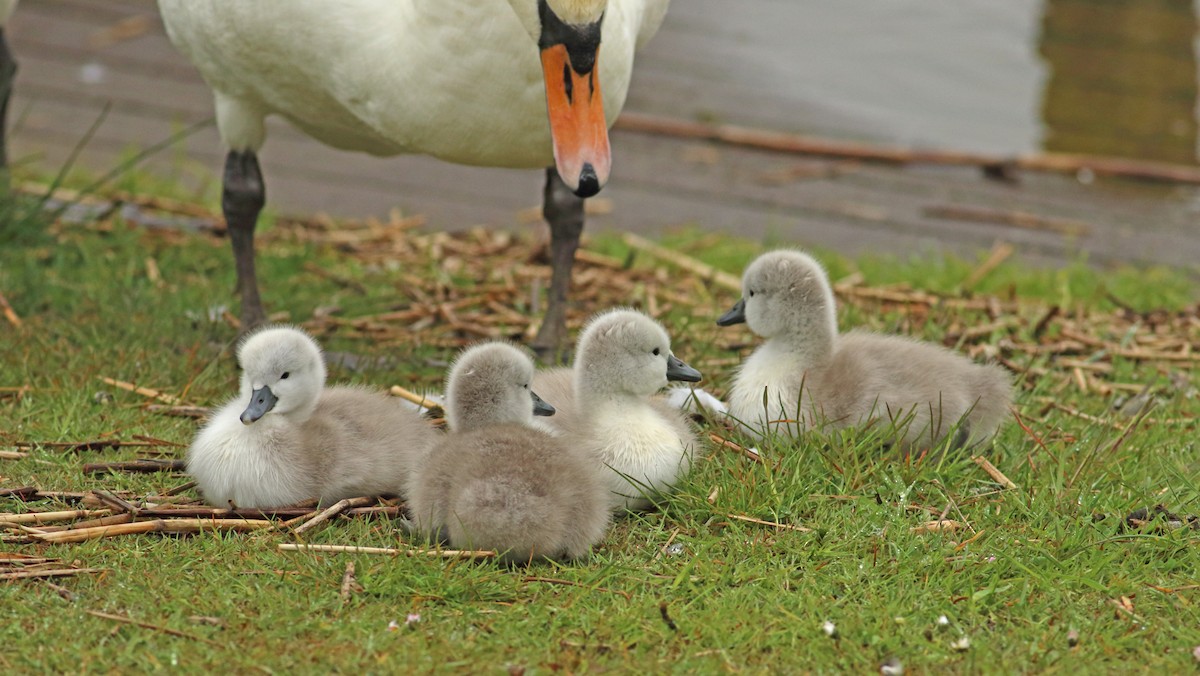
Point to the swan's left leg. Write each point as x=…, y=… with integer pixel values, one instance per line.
x=242, y=198
x=563, y=210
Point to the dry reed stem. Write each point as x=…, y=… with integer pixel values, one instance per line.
x=143, y=391
x=346, y=549
x=569, y=583
x=52, y=517
x=54, y=572
x=725, y=443
x=937, y=526
x=152, y=627
x=172, y=526
x=993, y=472
x=9, y=313
x=684, y=261
x=413, y=397
x=332, y=511
x=773, y=524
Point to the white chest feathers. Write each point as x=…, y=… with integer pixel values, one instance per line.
x=246, y=466
x=767, y=390
x=645, y=452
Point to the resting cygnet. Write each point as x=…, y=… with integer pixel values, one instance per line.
x=286, y=438
x=607, y=405
x=854, y=378
x=496, y=481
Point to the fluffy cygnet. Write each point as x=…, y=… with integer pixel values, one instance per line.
x=496, y=481
x=287, y=438
x=850, y=379
x=608, y=405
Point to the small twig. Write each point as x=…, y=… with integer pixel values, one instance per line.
x=937, y=526
x=1040, y=327
x=173, y=526
x=92, y=523
x=144, y=391
x=196, y=512
x=152, y=627
x=55, y=572
x=9, y=313
x=62, y=591
x=12, y=455
x=436, y=553
x=179, y=411
x=684, y=261
x=553, y=580
x=144, y=466
x=725, y=443
x=117, y=503
x=1016, y=219
x=158, y=442
x=52, y=517
x=666, y=617
x=993, y=472
x=785, y=526
x=181, y=488
x=348, y=583
x=332, y=511
x=1000, y=252
x=407, y=395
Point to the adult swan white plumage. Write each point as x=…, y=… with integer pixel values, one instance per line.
x=507, y=83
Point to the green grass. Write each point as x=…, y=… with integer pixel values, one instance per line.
x=1037, y=564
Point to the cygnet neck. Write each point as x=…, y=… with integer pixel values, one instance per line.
x=592, y=390
x=813, y=343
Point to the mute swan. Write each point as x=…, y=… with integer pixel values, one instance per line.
x=854, y=378
x=607, y=405
x=287, y=438
x=496, y=482
x=521, y=83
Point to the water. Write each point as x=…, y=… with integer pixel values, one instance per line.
x=1114, y=77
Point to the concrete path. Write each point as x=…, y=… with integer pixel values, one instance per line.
x=77, y=56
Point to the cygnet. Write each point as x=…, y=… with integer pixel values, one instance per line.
x=608, y=405
x=287, y=438
x=497, y=482
x=806, y=375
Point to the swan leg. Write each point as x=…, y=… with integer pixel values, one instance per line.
x=8, y=71
x=242, y=198
x=563, y=210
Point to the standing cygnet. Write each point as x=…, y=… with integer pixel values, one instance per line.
x=854, y=378
x=286, y=438
x=497, y=482
x=607, y=405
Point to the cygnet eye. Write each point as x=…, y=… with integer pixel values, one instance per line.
x=285, y=375
x=656, y=352
x=751, y=293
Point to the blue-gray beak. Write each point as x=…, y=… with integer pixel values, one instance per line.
x=540, y=407
x=261, y=401
x=735, y=315
x=677, y=370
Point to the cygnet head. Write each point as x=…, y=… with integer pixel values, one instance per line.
x=624, y=352
x=489, y=384
x=282, y=372
x=785, y=293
